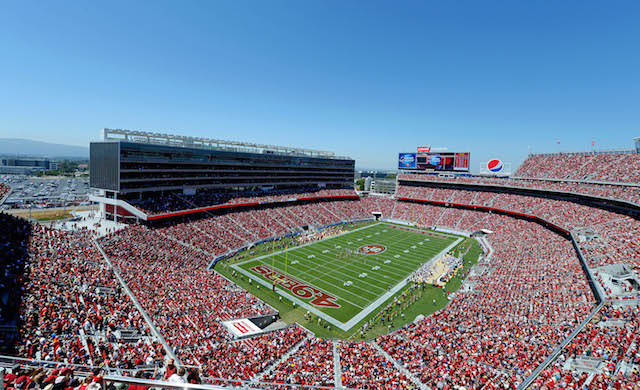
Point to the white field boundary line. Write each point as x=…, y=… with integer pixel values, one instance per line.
x=254, y=276
x=354, y=320
x=292, y=298
x=357, y=264
x=333, y=269
x=416, y=231
x=397, y=241
x=325, y=274
x=360, y=316
x=324, y=289
x=407, y=267
x=330, y=262
x=400, y=263
x=424, y=232
x=307, y=244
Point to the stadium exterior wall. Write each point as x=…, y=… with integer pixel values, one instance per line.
x=135, y=168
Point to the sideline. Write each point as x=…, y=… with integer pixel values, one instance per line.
x=345, y=326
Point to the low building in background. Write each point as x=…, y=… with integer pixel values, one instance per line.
x=383, y=186
x=25, y=166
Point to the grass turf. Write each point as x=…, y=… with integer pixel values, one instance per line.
x=353, y=281
x=295, y=314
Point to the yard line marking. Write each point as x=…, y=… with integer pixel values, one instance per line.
x=323, y=274
x=311, y=243
x=299, y=276
x=360, y=265
x=338, y=274
x=298, y=301
x=329, y=264
x=360, y=316
x=307, y=282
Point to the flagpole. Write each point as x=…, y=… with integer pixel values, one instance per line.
x=286, y=262
x=273, y=260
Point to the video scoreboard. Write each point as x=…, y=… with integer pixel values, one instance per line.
x=434, y=161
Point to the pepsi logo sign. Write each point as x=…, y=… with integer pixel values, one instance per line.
x=495, y=165
x=372, y=249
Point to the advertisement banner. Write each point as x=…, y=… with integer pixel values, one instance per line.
x=446, y=161
x=407, y=161
x=242, y=327
x=495, y=165
x=461, y=162
x=424, y=149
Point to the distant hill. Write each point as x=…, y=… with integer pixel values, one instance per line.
x=27, y=147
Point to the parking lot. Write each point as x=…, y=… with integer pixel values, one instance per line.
x=45, y=192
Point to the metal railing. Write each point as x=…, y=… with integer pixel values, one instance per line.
x=211, y=144
x=126, y=376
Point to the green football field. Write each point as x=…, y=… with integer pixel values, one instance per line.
x=346, y=277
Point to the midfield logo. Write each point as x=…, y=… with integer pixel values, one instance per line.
x=372, y=249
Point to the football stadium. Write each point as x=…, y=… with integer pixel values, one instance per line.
x=242, y=265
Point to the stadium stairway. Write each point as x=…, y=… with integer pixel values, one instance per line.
x=168, y=237
x=152, y=327
x=340, y=218
x=249, y=232
x=259, y=376
x=604, y=168
x=230, y=231
x=400, y=367
x=291, y=222
x=83, y=340
x=337, y=368
x=258, y=222
x=205, y=233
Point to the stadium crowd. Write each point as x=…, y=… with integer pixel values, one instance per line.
x=604, y=354
x=525, y=304
x=616, y=232
x=534, y=295
x=14, y=246
x=184, y=300
x=174, y=202
x=244, y=360
x=218, y=234
x=629, y=192
x=615, y=167
x=311, y=365
x=73, y=308
x=365, y=368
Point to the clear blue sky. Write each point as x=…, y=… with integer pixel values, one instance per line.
x=366, y=79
